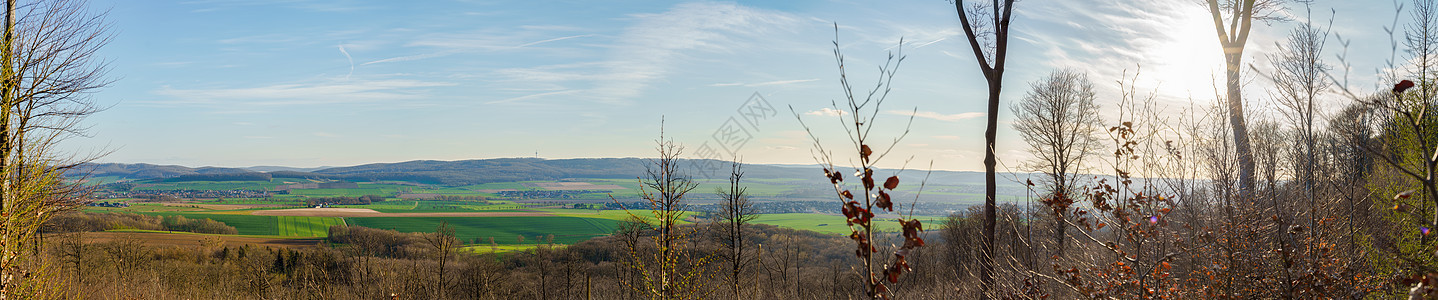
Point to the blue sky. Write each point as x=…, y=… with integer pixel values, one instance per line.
x=331, y=83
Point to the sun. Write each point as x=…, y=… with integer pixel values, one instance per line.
x=1185, y=58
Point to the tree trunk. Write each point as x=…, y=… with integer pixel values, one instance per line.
x=7, y=102
x=986, y=276
x=1234, y=62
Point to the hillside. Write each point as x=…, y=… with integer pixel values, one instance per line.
x=481, y=171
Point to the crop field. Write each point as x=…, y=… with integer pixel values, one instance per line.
x=762, y=188
x=424, y=206
x=306, y=226
x=835, y=224
x=505, y=230
x=245, y=224
x=566, y=224
x=615, y=215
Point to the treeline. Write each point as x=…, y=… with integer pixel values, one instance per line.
x=89, y=222
x=361, y=200
x=239, y=176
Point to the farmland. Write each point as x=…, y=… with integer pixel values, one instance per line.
x=482, y=214
x=833, y=224
x=505, y=230
x=306, y=226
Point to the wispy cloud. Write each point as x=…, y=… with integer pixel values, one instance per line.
x=410, y=57
x=531, y=96
x=826, y=112
x=328, y=92
x=646, y=49
x=312, y=5
x=273, y=38
x=462, y=43
x=776, y=82
x=488, y=40
x=938, y=116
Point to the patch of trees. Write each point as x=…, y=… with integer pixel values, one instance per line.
x=538, y=194
x=300, y=175
x=89, y=222
x=384, y=243
x=361, y=200
x=245, y=176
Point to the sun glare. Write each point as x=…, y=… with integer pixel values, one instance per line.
x=1187, y=60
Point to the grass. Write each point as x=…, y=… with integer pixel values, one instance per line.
x=505, y=230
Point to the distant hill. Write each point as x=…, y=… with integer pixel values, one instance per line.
x=149, y=171
x=279, y=168
x=477, y=171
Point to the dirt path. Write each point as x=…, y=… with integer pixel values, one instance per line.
x=365, y=212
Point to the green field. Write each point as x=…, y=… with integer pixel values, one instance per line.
x=834, y=224
x=245, y=224
x=505, y=230
x=307, y=226
x=567, y=225
x=433, y=206
x=266, y=225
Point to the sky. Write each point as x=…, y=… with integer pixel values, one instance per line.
x=308, y=83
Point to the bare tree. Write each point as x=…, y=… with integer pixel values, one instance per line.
x=664, y=186
x=1298, y=79
x=1233, y=37
x=988, y=35
x=48, y=70
x=735, y=212
x=1059, y=120
x=445, y=244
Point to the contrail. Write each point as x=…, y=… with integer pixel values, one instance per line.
x=551, y=40
x=348, y=58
